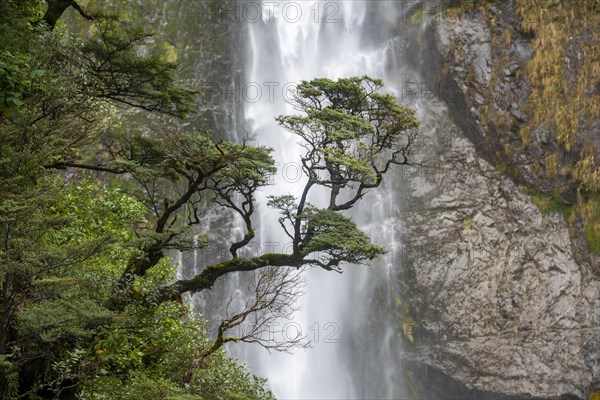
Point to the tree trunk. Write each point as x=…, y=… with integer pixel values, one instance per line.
x=55, y=10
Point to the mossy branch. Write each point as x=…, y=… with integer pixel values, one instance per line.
x=207, y=278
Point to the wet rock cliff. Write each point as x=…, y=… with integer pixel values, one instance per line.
x=500, y=278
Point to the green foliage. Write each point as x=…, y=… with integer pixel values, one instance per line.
x=96, y=212
x=336, y=236
x=68, y=237
x=251, y=167
x=333, y=237
x=9, y=379
x=57, y=119
x=349, y=129
x=351, y=135
x=120, y=73
x=592, y=236
x=16, y=76
x=16, y=18
x=595, y=396
x=149, y=349
x=58, y=321
x=588, y=208
x=158, y=353
x=167, y=156
x=63, y=257
x=553, y=204
x=591, y=212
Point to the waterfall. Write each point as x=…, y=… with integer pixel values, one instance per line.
x=354, y=355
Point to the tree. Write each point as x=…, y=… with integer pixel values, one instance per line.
x=351, y=135
x=67, y=232
x=90, y=207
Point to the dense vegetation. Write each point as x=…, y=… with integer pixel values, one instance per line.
x=561, y=78
x=568, y=105
x=90, y=208
x=67, y=236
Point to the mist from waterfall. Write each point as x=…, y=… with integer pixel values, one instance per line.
x=294, y=41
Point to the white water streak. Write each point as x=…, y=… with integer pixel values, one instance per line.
x=328, y=40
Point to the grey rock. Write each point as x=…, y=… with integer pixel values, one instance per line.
x=524, y=310
x=509, y=278
x=520, y=116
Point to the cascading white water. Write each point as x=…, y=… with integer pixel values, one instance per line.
x=299, y=41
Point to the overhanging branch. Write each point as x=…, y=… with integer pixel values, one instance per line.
x=56, y=9
x=207, y=278
x=100, y=167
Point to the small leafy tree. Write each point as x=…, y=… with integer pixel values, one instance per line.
x=351, y=135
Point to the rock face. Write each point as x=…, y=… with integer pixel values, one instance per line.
x=498, y=299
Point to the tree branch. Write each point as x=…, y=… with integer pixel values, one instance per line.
x=81, y=12
x=56, y=9
x=272, y=298
x=100, y=167
x=207, y=278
